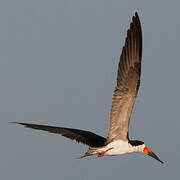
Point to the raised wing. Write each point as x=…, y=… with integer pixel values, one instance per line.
x=128, y=81
x=85, y=137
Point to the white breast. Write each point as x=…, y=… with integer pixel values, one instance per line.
x=119, y=147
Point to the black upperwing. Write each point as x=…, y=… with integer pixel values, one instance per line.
x=81, y=136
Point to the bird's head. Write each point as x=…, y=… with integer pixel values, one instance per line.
x=139, y=146
x=147, y=151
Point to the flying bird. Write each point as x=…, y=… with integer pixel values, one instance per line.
x=128, y=82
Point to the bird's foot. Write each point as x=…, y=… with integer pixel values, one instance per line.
x=101, y=154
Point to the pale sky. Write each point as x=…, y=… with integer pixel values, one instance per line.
x=58, y=65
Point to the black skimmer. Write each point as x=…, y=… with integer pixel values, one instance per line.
x=128, y=81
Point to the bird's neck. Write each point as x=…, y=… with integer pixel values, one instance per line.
x=136, y=148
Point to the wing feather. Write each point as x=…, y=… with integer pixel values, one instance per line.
x=81, y=136
x=128, y=81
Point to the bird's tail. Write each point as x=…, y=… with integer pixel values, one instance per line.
x=92, y=151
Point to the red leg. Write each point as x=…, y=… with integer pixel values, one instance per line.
x=102, y=153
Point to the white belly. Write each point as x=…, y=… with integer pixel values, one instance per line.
x=118, y=147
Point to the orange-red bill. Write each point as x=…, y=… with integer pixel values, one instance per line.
x=148, y=152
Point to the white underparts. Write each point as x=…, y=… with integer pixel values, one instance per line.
x=121, y=147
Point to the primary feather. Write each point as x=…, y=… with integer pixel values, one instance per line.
x=128, y=81
x=85, y=137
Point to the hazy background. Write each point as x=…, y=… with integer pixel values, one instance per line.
x=58, y=64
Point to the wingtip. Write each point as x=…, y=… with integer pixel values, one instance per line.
x=14, y=122
x=136, y=13
x=135, y=18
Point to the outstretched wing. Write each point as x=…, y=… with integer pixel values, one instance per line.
x=128, y=81
x=85, y=137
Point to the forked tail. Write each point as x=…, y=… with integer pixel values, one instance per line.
x=92, y=151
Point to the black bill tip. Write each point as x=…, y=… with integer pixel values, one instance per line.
x=154, y=156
